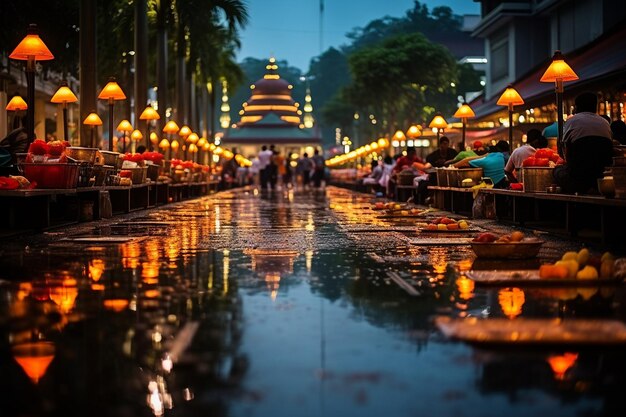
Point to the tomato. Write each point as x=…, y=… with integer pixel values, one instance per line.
x=543, y=153
x=554, y=157
x=56, y=147
x=126, y=173
x=560, y=161
x=542, y=162
x=8, y=183
x=529, y=162
x=485, y=238
x=38, y=147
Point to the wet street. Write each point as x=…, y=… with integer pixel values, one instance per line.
x=280, y=304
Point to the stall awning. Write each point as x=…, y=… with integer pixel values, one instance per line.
x=602, y=60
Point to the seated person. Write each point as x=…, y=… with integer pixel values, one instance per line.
x=503, y=147
x=477, y=149
x=411, y=160
x=534, y=141
x=586, y=147
x=440, y=156
x=375, y=175
x=492, y=165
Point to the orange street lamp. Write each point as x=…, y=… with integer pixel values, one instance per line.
x=111, y=92
x=183, y=133
x=16, y=104
x=31, y=49
x=414, y=132
x=174, y=148
x=124, y=127
x=63, y=96
x=510, y=98
x=93, y=120
x=558, y=72
x=136, y=136
x=438, y=123
x=464, y=112
x=149, y=114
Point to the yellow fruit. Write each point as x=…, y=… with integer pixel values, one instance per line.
x=404, y=212
x=588, y=272
x=606, y=256
x=570, y=255
x=606, y=268
x=397, y=206
x=583, y=257
x=463, y=224
x=572, y=267
x=517, y=236
x=442, y=226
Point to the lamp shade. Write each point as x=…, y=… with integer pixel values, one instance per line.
x=136, y=135
x=31, y=47
x=184, y=131
x=201, y=142
x=438, y=122
x=124, y=126
x=558, y=70
x=17, y=103
x=112, y=90
x=399, y=135
x=154, y=138
x=174, y=145
x=149, y=114
x=171, y=127
x=64, y=95
x=92, y=120
x=464, y=112
x=413, y=132
x=164, y=144
x=193, y=148
x=510, y=96
x=193, y=137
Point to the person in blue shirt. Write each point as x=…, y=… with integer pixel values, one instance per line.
x=492, y=165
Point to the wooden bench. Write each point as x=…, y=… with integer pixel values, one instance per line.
x=594, y=217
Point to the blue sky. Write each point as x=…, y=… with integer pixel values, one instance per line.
x=289, y=29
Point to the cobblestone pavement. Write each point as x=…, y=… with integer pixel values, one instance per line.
x=285, y=304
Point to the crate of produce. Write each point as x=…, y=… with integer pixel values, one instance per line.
x=536, y=179
x=456, y=176
x=51, y=175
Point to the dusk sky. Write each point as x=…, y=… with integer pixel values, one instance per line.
x=289, y=29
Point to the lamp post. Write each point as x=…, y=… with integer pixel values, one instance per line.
x=124, y=127
x=202, y=142
x=191, y=139
x=16, y=104
x=183, y=133
x=464, y=112
x=174, y=145
x=414, y=132
x=63, y=96
x=164, y=145
x=149, y=114
x=558, y=72
x=135, y=137
x=510, y=98
x=170, y=128
x=438, y=123
x=31, y=49
x=93, y=120
x=111, y=92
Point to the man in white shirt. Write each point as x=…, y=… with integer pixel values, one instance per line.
x=265, y=157
x=534, y=141
x=587, y=147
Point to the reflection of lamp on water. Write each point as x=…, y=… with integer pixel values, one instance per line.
x=558, y=72
x=116, y=304
x=465, y=287
x=96, y=269
x=34, y=358
x=63, y=96
x=31, y=49
x=93, y=120
x=560, y=364
x=511, y=301
x=510, y=98
x=64, y=295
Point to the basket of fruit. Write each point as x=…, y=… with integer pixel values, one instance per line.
x=512, y=246
x=446, y=224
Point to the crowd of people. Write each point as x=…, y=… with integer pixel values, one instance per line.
x=272, y=170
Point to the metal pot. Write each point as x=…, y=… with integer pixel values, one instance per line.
x=112, y=158
x=82, y=154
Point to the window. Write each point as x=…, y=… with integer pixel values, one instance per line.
x=499, y=57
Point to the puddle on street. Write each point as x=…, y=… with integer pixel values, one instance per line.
x=253, y=305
